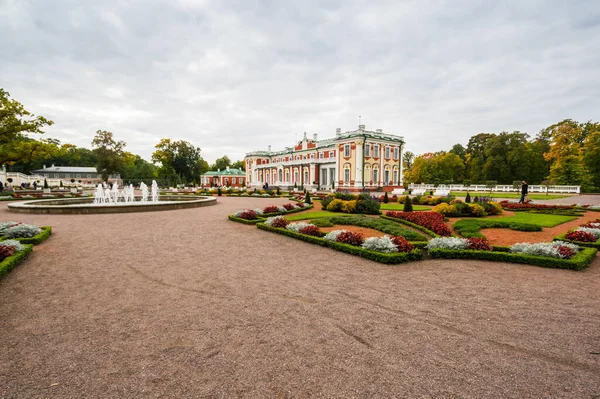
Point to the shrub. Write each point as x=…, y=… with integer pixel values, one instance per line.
x=22, y=230
x=408, y=204
x=367, y=205
x=380, y=244
x=402, y=244
x=352, y=238
x=297, y=226
x=476, y=210
x=478, y=244
x=582, y=236
x=548, y=249
x=593, y=231
x=349, y=206
x=219, y=192
x=271, y=209
x=335, y=205
x=289, y=207
x=432, y=221
x=5, y=252
x=332, y=235
x=14, y=244
x=385, y=198
x=468, y=198
x=307, y=199
x=311, y=230
x=453, y=243
x=325, y=201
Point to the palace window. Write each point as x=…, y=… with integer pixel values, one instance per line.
x=347, y=174
x=367, y=150
x=387, y=152
x=321, y=155
x=312, y=156
x=376, y=151
x=233, y=180
x=396, y=152
x=395, y=176
x=347, y=150
x=375, y=175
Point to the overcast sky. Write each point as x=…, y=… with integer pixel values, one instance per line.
x=235, y=76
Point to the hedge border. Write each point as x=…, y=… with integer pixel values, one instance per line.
x=387, y=258
x=413, y=225
x=562, y=237
x=12, y=261
x=36, y=239
x=580, y=261
x=262, y=217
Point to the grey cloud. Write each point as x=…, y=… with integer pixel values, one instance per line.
x=236, y=76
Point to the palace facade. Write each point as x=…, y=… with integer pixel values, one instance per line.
x=353, y=160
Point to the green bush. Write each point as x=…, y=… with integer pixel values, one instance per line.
x=9, y=263
x=385, y=198
x=46, y=184
x=388, y=258
x=468, y=198
x=577, y=262
x=408, y=204
x=245, y=221
x=307, y=198
x=38, y=238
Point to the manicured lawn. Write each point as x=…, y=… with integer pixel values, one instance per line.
x=400, y=207
x=539, y=219
x=312, y=215
x=536, y=196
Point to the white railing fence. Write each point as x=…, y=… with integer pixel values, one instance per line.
x=504, y=188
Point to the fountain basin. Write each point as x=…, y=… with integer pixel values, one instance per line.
x=83, y=206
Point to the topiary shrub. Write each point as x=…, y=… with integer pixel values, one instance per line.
x=307, y=198
x=408, y=204
x=468, y=198
x=351, y=238
x=385, y=198
x=46, y=184
x=219, y=192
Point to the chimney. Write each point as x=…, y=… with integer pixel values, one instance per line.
x=304, y=138
x=218, y=170
x=379, y=131
x=314, y=137
x=269, y=148
x=52, y=165
x=228, y=168
x=44, y=166
x=361, y=127
x=338, y=132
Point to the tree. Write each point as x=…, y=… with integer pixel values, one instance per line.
x=407, y=205
x=591, y=157
x=15, y=123
x=221, y=163
x=408, y=158
x=458, y=149
x=239, y=165
x=179, y=161
x=109, y=154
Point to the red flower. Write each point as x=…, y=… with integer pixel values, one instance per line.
x=280, y=222
x=271, y=209
x=5, y=252
x=249, y=215
x=289, y=207
x=349, y=237
x=430, y=220
x=311, y=231
x=582, y=236
x=402, y=244
x=566, y=252
x=478, y=244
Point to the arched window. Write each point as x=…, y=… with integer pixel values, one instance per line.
x=386, y=175
x=347, y=173
x=376, y=175
x=280, y=175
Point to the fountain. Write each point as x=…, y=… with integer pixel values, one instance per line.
x=113, y=200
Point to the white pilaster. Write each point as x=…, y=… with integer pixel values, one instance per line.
x=359, y=164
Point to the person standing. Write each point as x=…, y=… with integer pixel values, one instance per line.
x=524, y=191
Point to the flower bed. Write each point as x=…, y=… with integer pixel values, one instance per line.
x=349, y=203
x=16, y=256
x=351, y=244
x=253, y=216
x=24, y=233
x=431, y=223
x=586, y=235
x=579, y=261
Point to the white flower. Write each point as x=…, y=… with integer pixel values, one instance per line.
x=269, y=221
x=454, y=243
x=594, y=231
x=12, y=244
x=297, y=226
x=332, y=235
x=380, y=244
x=22, y=230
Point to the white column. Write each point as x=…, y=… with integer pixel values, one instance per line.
x=359, y=164
x=401, y=177
x=337, y=165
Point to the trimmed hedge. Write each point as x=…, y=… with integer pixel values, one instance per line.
x=288, y=212
x=245, y=221
x=411, y=224
x=388, y=258
x=561, y=237
x=9, y=263
x=581, y=260
x=36, y=239
x=470, y=228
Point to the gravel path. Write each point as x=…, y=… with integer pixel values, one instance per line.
x=188, y=304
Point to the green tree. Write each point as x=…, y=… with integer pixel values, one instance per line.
x=221, y=163
x=109, y=154
x=179, y=161
x=15, y=123
x=591, y=157
x=408, y=158
x=239, y=165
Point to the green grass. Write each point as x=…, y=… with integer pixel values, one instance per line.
x=312, y=215
x=538, y=219
x=471, y=227
x=536, y=196
x=383, y=225
x=400, y=207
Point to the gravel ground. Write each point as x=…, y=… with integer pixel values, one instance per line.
x=188, y=304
